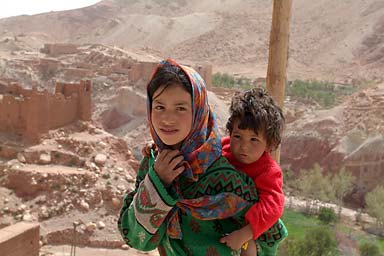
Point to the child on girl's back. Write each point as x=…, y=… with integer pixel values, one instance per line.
x=255, y=126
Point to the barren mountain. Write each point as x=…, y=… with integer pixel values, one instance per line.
x=333, y=40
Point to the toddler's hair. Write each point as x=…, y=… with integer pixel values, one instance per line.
x=256, y=110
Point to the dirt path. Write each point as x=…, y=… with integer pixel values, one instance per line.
x=65, y=250
x=346, y=213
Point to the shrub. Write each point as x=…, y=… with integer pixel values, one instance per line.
x=375, y=204
x=369, y=249
x=327, y=215
x=228, y=81
x=318, y=241
x=324, y=93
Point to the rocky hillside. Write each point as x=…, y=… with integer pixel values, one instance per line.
x=333, y=40
x=349, y=135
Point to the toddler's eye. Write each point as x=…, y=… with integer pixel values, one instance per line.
x=181, y=109
x=158, y=108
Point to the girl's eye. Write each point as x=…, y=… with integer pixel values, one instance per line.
x=236, y=136
x=181, y=109
x=255, y=140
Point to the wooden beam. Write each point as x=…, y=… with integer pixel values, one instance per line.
x=278, y=54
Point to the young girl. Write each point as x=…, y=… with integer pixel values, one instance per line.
x=255, y=126
x=187, y=196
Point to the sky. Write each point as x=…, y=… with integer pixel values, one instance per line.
x=19, y=7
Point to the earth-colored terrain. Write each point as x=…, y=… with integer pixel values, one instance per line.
x=76, y=175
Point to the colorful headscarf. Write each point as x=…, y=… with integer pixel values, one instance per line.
x=202, y=146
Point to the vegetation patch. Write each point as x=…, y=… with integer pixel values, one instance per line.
x=308, y=235
x=228, y=81
x=323, y=93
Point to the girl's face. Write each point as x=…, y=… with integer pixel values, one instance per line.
x=171, y=114
x=247, y=146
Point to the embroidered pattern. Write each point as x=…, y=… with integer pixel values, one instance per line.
x=195, y=227
x=211, y=251
x=273, y=235
x=150, y=210
x=141, y=236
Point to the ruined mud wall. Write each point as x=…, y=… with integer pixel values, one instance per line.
x=143, y=71
x=64, y=110
x=366, y=163
x=29, y=113
x=58, y=49
x=10, y=114
x=84, y=98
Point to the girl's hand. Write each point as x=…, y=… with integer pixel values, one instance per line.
x=146, y=150
x=169, y=165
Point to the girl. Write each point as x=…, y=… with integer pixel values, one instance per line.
x=187, y=196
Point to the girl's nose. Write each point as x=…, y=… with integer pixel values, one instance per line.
x=168, y=120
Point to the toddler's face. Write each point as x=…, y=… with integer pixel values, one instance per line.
x=247, y=146
x=172, y=114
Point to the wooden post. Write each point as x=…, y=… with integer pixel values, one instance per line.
x=278, y=54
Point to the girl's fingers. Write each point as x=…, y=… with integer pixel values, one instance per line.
x=171, y=155
x=163, y=154
x=178, y=171
x=146, y=151
x=169, y=165
x=176, y=162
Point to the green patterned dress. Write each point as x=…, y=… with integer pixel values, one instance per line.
x=143, y=217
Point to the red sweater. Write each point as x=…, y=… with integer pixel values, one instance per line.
x=267, y=175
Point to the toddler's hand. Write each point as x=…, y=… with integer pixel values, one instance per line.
x=234, y=240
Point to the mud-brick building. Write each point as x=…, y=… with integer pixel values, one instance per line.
x=31, y=113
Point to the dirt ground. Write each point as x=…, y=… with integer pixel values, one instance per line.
x=65, y=250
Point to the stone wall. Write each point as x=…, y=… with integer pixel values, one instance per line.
x=29, y=113
x=366, y=163
x=21, y=239
x=59, y=49
x=144, y=70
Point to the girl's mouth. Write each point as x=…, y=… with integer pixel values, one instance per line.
x=168, y=130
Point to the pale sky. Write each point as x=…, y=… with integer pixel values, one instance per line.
x=19, y=7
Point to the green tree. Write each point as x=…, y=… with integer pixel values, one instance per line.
x=375, y=204
x=342, y=184
x=289, y=180
x=314, y=185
